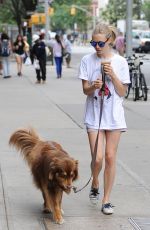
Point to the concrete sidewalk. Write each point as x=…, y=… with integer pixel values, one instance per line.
x=55, y=109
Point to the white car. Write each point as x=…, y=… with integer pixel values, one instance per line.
x=136, y=39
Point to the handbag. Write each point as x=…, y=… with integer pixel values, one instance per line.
x=36, y=64
x=27, y=61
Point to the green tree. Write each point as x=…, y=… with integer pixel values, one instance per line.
x=12, y=11
x=137, y=9
x=117, y=10
x=62, y=17
x=30, y=5
x=146, y=10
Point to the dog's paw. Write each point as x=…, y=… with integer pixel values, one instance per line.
x=46, y=210
x=61, y=221
x=62, y=212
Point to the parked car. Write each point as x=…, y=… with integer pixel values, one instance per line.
x=136, y=40
x=145, y=48
x=145, y=41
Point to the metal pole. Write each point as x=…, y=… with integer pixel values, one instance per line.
x=129, y=28
x=47, y=18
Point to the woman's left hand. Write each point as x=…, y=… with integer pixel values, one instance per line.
x=109, y=70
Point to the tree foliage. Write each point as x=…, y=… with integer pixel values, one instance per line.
x=30, y=5
x=146, y=10
x=116, y=10
x=12, y=11
x=62, y=17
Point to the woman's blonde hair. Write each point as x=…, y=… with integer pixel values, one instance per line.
x=109, y=31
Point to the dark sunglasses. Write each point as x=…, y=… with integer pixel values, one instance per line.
x=100, y=43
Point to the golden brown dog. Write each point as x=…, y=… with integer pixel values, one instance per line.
x=52, y=168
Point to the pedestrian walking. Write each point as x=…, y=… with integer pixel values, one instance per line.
x=18, y=48
x=105, y=77
x=26, y=48
x=58, y=50
x=120, y=44
x=5, y=47
x=68, y=50
x=38, y=56
x=1, y=66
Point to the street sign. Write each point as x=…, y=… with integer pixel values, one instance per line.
x=38, y=19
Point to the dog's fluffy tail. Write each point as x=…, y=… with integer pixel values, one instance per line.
x=24, y=140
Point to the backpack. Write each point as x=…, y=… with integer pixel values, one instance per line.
x=5, y=51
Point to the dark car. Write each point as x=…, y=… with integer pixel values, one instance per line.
x=145, y=42
x=145, y=48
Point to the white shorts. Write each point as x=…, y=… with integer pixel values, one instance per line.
x=20, y=55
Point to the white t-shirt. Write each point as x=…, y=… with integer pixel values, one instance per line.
x=57, y=49
x=68, y=46
x=113, y=112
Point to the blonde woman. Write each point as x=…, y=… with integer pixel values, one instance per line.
x=26, y=47
x=113, y=121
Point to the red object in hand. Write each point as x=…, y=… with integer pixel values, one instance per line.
x=106, y=91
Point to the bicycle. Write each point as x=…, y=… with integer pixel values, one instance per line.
x=137, y=78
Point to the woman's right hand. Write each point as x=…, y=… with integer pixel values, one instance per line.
x=89, y=88
x=97, y=84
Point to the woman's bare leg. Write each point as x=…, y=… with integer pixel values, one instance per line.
x=112, y=140
x=96, y=164
x=19, y=63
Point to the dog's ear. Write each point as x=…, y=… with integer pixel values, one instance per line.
x=50, y=176
x=53, y=164
x=52, y=167
x=76, y=171
x=51, y=170
x=76, y=163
